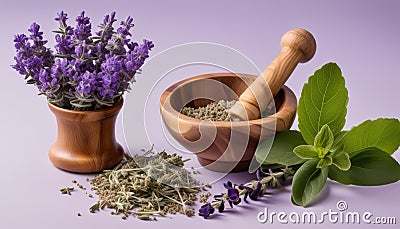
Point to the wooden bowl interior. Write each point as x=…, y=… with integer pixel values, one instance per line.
x=199, y=92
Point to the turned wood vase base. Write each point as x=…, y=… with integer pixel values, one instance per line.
x=86, y=140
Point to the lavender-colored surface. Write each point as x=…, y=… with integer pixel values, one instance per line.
x=361, y=36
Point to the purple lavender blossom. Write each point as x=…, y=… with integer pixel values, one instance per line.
x=116, y=44
x=82, y=52
x=252, y=193
x=112, y=64
x=135, y=59
x=24, y=51
x=64, y=44
x=20, y=41
x=47, y=80
x=33, y=64
x=108, y=85
x=123, y=32
x=86, y=72
x=106, y=27
x=83, y=28
x=62, y=20
x=206, y=211
x=233, y=194
x=36, y=36
x=126, y=26
x=59, y=68
x=87, y=84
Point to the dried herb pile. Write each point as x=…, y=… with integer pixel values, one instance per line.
x=146, y=186
x=215, y=111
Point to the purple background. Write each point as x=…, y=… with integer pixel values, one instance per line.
x=361, y=36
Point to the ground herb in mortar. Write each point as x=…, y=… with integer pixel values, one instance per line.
x=215, y=111
x=146, y=186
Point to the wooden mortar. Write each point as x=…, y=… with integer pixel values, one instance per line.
x=222, y=146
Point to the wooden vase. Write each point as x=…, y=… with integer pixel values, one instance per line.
x=86, y=139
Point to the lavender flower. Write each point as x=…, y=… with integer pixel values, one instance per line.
x=62, y=19
x=87, y=84
x=123, y=31
x=36, y=36
x=106, y=27
x=254, y=189
x=82, y=52
x=253, y=193
x=109, y=85
x=47, y=81
x=60, y=68
x=83, y=28
x=33, y=65
x=136, y=57
x=206, y=210
x=64, y=44
x=20, y=41
x=87, y=72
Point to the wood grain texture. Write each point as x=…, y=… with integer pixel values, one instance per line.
x=298, y=46
x=86, y=140
x=221, y=146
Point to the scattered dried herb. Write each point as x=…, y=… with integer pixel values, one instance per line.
x=66, y=190
x=146, y=186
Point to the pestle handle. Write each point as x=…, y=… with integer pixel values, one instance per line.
x=298, y=46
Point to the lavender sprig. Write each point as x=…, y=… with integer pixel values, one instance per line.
x=254, y=189
x=86, y=72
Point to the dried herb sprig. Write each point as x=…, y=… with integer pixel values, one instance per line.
x=254, y=189
x=66, y=191
x=147, y=185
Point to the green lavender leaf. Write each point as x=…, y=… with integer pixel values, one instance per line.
x=323, y=101
x=281, y=151
x=305, y=152
x=342, y=161
x=368, y=168
x=382, y=133
x=308, y=182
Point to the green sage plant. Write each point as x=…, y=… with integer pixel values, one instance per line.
x=322, y=150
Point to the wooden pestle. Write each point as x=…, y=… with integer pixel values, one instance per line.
x=298, y=45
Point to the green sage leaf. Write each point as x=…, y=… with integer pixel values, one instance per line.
x=382, y=133
x=308, y=182
x=338, y=143
x=323, y=101
x=324, y=139
x=281, y=151
x=368, y=168
x=324, y=162
x=305, y=152
x=342, y=161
